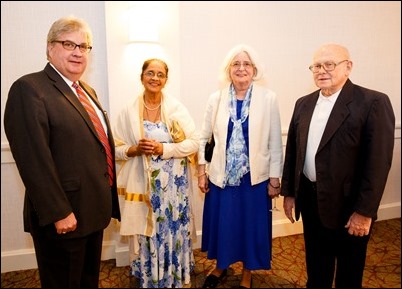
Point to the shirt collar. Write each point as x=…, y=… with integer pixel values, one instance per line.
x=68, y=81
x=332, y=98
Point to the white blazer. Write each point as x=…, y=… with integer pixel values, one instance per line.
x=265, y=136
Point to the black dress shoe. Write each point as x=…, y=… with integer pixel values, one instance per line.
x=212, y=281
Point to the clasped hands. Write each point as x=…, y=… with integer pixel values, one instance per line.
x=149, y=147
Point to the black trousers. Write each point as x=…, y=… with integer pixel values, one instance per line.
x=329, y=252
x=68, y=263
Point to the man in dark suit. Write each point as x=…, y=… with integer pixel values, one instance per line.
x=70, y=184
x=338, y=155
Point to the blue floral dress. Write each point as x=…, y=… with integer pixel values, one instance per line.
x=166, y=259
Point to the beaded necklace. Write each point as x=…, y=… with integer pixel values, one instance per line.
x=155, y=108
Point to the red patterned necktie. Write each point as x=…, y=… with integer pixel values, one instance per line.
x=99, y=129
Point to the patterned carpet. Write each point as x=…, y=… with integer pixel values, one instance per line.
x=383, y=265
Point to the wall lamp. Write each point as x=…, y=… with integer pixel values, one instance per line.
x=143, y=23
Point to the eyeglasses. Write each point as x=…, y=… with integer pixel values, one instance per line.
x=152, y=74
x=246, y=64
x=68, y=45
x=328, y=66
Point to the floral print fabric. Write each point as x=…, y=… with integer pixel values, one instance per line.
x=166, y=259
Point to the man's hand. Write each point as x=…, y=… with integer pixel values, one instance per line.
x=66, y=225
x=358, y=225
x=288, y=205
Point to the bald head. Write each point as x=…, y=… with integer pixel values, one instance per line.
x=331, y=52
x=331, y=68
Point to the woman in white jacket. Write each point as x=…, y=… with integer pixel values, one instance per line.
x=245, y=169
x=154, y=136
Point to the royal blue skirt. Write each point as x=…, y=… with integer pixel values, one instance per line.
x=237, y=225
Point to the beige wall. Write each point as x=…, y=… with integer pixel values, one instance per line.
x=194, y=38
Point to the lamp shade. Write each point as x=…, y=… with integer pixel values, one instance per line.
x=142, y=27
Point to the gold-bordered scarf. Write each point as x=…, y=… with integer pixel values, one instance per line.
x=178, y=135
x=142, y=197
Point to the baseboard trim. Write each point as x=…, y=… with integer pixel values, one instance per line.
x=389, y=211
x=25, y=259
x=18, y=260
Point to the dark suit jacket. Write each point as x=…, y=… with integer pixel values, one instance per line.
x=60, y=159
x=353, y=158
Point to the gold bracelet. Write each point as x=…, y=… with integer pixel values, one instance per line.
x=203, y=174
x=277, y=187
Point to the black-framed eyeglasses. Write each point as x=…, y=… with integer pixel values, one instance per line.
x=70, y=46
x=152, y=74
x=246, y=64
x=328, y=66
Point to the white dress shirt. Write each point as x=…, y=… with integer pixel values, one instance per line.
x=318, y=123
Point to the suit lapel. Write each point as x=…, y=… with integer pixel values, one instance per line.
x=339, y=113
x=90, y=92
x=67, y=92
x=306, y=113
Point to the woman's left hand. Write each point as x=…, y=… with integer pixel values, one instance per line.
x=274, y=188
x=203, y=183
x=158, y=148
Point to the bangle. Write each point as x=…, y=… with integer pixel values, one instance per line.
x=203, y=174
x=277, y=187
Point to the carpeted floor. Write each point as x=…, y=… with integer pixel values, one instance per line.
x=383, y=265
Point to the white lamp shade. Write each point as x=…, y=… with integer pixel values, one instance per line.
x=142, y=28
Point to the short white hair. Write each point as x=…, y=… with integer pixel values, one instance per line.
x=225, y=68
